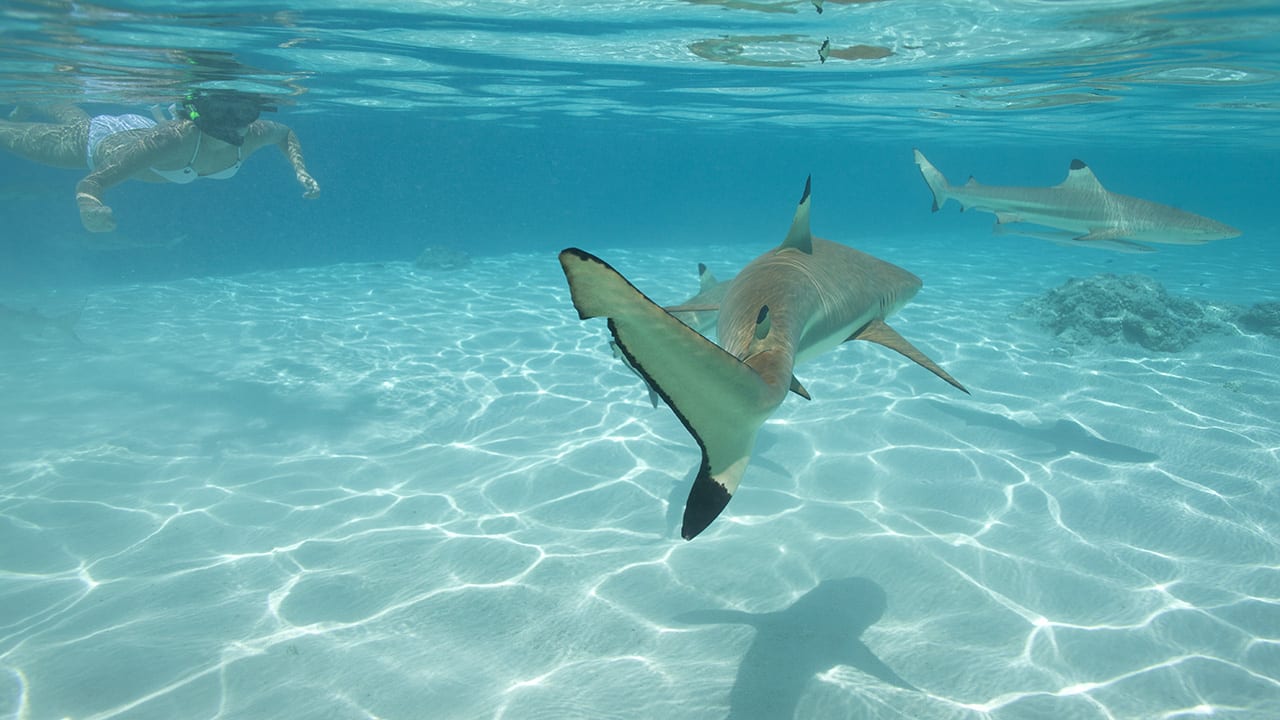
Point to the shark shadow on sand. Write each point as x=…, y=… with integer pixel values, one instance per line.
x=818, y=632
x=1061, y=438
x=28, y=327
x=228, y=415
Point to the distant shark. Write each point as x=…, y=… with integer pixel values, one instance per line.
x=800, y=299
x=1066, y=238
x=1093, y=215
x=18, y=326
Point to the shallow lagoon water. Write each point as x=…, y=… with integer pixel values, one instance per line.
x=278, y=471
x=364, y=490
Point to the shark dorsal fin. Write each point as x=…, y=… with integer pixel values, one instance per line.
x=1080, y=177
x=879, y=333
x=798, y=237
x=973, y=182
x=706, y=280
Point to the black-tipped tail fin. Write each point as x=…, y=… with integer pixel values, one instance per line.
x=721, y=401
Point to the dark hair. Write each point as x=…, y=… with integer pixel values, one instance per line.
x=225, y=106
x=224, y=114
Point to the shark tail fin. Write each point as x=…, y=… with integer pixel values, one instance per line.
x=936, y=180
x=721, y=401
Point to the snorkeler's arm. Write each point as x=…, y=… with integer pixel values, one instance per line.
x=121, y=160
x=265, y=132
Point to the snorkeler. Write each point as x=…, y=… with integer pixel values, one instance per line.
x=210, y=135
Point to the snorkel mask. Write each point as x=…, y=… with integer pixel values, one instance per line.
x=224, y=116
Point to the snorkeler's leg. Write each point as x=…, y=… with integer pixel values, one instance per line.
x=59, y=145
x=66, y=114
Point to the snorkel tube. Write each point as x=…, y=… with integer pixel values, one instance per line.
x=225, y=115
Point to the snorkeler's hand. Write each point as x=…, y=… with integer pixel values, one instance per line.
x=310, y=188
x=95, y=216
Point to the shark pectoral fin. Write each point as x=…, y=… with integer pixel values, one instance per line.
x=1103, y=233
x=1129, y=247
x=798, y=389
x=878, y=332
x=719, y=400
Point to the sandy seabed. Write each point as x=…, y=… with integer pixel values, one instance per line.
x=371, y=491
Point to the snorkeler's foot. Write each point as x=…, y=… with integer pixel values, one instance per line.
x=310, y=188
x=97, y=219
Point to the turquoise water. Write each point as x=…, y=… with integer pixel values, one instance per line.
x=255, y=463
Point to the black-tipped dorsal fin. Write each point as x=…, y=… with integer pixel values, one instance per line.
x=798, y=389
x=1079, y=176
x=879, y=333
x=706, y=280
x=798, y=237
x=763, y=323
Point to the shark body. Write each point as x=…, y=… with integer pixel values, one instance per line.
x=18, y=326
x=1081, y=206
x=800, y=299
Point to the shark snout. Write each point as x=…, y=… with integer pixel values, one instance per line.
x=1213, y=230
x=1228, y=232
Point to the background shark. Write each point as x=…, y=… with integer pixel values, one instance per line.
x=19, y=326
x=1080, y=205
x=794, y=302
